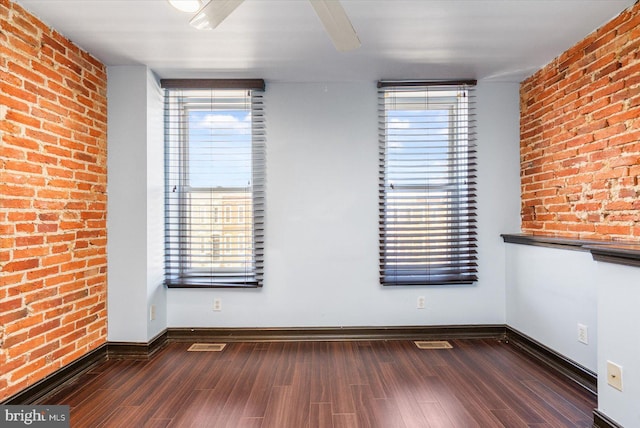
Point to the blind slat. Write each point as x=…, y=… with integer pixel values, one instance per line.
x=427, y=183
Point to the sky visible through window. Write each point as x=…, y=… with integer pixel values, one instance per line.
x=418, y=145
x=220, y=149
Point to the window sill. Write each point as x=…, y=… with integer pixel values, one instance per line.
x=623, y=253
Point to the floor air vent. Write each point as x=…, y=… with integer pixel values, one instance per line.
x=207, y=347
x=433, y=344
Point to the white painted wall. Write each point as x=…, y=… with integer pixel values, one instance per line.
x=618, y=290
x=549, y=291
x=499, y=181
x=135, y=205
x=126, y=206
x=321, y=266
x=156, y=291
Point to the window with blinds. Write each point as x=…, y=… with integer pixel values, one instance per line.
x=215, y=181
x=427, y=183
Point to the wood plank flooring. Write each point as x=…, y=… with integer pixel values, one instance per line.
x=387, y=384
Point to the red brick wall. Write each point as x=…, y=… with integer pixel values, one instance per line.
x=52, y=200
x=580, y=137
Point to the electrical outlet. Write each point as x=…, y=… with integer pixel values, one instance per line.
x=583, y=334
x=614, y=375
x=420, y=303
x=217, y=304
x=152, y=312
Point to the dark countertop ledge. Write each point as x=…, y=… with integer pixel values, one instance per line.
x=618, y=252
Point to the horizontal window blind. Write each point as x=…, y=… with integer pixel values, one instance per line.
x=427, y=184
x=215, y=187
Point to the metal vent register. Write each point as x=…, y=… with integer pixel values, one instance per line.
x=433, y=344
x=207, y=347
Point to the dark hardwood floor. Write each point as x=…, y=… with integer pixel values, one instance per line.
x=478, y=383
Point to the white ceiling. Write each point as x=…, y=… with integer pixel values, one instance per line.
x=283, y=40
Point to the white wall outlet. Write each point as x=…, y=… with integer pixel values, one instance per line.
x=217, y=304
x=614, y=375
x=583, y=334
x=420, y=303
x=152, y=312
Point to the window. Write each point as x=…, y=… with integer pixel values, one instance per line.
x=427, y=183
x=215, y=168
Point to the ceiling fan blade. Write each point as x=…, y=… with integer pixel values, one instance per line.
x=213, y=13
x=337, y=24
